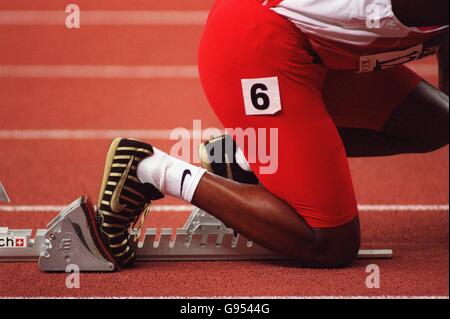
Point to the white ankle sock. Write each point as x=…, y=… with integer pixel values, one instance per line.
x=170, y=175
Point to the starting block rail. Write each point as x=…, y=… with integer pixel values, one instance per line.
x=68, y=241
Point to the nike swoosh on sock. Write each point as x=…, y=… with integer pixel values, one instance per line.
x=186, y=173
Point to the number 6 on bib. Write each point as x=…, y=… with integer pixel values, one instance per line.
x=261, y=96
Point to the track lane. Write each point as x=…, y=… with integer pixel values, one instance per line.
x=102, y=104
x=420, y=267
x=109, y=5
x=121, y=45
x=54, y=172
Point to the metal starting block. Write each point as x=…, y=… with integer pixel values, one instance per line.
x=3, y=196
x=67, y=241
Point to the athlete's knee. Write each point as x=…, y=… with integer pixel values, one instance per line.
x=436, y=135
x=422, y=121
x=335, y=248
x=433, y=144
x=337, y=256
x=443, y=136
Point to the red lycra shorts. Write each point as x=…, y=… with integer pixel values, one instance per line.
x=259, y=71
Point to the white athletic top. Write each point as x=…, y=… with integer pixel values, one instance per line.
x=364, y=30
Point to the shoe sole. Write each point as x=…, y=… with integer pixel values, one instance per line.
x=204, y=158
x=90, y=216
x=108, y=164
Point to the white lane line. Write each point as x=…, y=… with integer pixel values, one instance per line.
x=185, y=208
x=83, y=134
x=305, y=297
x=58, y=208
x=129, y=71
x=403, y=208
x=103, y=18
x=100, y=134
x=247, y=297
x=99, y=71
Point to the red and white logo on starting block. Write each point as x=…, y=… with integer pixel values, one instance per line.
x=13, y=242
x=20, y=242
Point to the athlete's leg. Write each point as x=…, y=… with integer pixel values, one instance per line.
x=443, y=57
x=417, y=13
x=252, y=211
x=269, y=221
x=230, y=163
x=393, y=112
x=419, y=125
x=422, y=120
x=306, y=209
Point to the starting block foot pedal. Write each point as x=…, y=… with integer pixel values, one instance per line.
x=68, y=241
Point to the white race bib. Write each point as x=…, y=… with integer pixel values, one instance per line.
x=261, y=96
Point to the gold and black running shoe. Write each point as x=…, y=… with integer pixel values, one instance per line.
x=123, y=200
x=218, y=156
